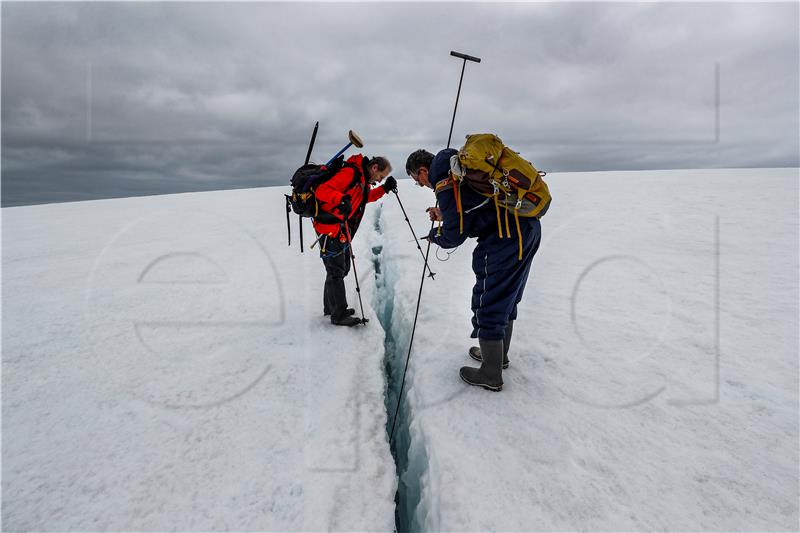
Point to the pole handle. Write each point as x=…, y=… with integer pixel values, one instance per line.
x=465, y=57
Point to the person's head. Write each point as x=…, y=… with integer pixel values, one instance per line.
x=378, y=168
x=418, y=165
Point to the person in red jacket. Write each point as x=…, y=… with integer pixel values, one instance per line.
x=342, y=200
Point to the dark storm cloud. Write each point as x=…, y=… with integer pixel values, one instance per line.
x=114, y=99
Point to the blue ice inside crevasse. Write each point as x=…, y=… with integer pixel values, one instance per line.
x=411, y=460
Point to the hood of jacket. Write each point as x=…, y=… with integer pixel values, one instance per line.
x=440, y=166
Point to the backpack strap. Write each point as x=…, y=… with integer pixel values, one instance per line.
x=356, y=173
x=508, y=230
x=444, y=184
x=326, y=217
x=364, y=193
x=497, y=210
x=359, y=176
x=459, y=207
x=483, y=203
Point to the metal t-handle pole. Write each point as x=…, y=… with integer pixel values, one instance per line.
x=466, y=58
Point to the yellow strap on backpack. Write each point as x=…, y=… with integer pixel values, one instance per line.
x=520, y=194
x=459, y=208
x=499, y=223
x=508, y=230
x=444, y=184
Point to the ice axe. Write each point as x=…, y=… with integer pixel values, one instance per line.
x=308, y=157
x=289, y=198
x=355, y=140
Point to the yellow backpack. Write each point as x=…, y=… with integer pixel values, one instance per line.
x=494, y=170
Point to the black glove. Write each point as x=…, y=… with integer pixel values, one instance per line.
x=345, y=207
x=390, y=184
x=433, y=235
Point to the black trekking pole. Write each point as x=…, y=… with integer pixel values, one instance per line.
x=466, y=58
x=364, y=320
x=311, y=143
x=308, y=158
x=288, y=225
x=431, y=273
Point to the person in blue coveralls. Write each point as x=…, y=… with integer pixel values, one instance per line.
x=500, y=274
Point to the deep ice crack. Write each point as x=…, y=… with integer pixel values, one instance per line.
x=408, y=451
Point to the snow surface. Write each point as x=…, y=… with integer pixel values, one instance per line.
x=166, y=367
x=619, y=412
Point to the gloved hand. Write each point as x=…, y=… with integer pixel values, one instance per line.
x=390, y=184
x=433, y=236
x=345, y=207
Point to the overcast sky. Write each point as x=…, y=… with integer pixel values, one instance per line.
x=120, y=99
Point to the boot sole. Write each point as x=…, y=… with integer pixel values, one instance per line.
x=480, y=360
x=359, y=323
x=493, y=388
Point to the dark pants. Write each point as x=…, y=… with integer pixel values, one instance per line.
x=336, y=259
x=500, y=278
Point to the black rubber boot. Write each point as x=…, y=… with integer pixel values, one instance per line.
x=346, y=321
x=475, y=351
x=336, y=298
x=490, y=374
x=344, y=316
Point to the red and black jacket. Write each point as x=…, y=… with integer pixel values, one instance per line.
x=350, y=180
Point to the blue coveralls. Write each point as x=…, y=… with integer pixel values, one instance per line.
x=500, y=276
